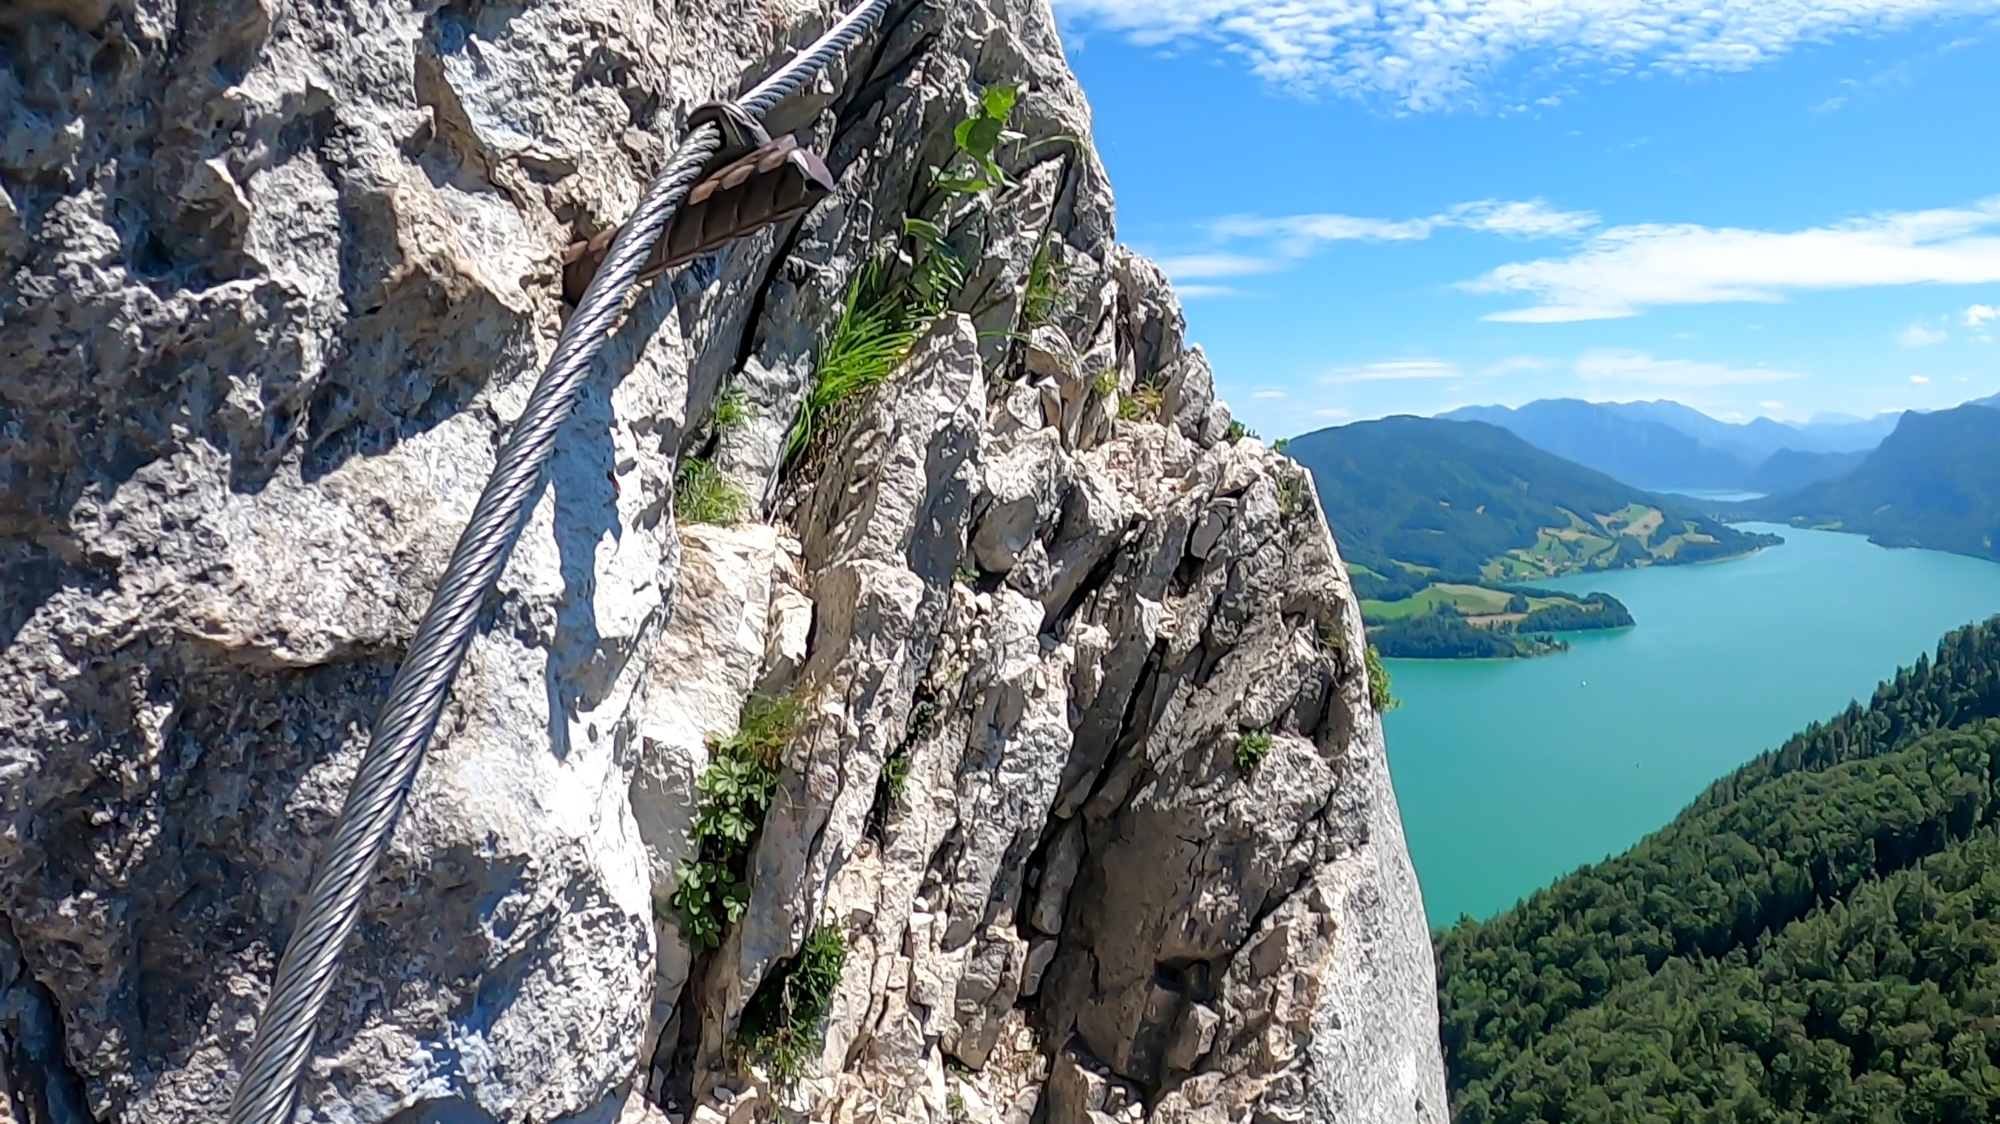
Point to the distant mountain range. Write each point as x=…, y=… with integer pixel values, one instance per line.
x=1437, y=517
x=1934, y=482
x=1666, y=446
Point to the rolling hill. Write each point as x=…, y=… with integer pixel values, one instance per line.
x=1934, y=482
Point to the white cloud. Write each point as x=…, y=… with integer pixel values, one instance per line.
x=1269, y=394
x=1638, y=369
x=1771, y=405
x=1193, y=292
x=1426, y=54
x=1625, y=269
x=1916, y=335
x=1920, y=380
x=1979, y=315
x=1394, y=370
x=1298, y=235
x=1192, y=266
x=1530, y=219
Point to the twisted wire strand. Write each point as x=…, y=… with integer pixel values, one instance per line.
x=283, y=1043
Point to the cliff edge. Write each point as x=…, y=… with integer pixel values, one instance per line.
x=993, y=744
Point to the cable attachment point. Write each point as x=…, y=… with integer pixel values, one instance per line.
x=752, y=182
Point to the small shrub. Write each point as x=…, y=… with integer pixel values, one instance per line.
x=1280, y=445
x=1238, y=431
x=702, y=494
x=1105, y=382
x=1143, y=404
x=784, y=1023
x=1251, y=749
x=735, y=793
x=1378, y=683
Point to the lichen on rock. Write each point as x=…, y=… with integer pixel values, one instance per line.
x=274, y=280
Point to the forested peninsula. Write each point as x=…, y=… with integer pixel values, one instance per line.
x=1815, y=938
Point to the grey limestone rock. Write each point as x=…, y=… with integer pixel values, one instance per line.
x=274, y=280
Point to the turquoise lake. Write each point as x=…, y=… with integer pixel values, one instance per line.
x=1511, y=773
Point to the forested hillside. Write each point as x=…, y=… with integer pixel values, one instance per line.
x=1816, y=938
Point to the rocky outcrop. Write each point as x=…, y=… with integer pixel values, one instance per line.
x=274, y=279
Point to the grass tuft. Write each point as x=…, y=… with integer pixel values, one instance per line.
x=874, y=333
x=1291, y=492
x=784, y=1024
x=733, y=412
x=702, y=494
x=1047, y=294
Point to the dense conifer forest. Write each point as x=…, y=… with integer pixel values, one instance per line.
x=1815, y=938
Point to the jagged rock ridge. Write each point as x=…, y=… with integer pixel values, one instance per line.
x=273, y=281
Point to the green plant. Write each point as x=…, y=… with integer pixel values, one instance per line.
x=1047, y=294
x=702, y=494
x=1378, y=683
x=736, y=791
x=1291, y=493
x=1105, y=382
x=954, y=1103
x=1251, y=749
x=733, y=411
x=1238, y=431
x=973, y=168
x=784, y=1023
x=1280, y=445
x=872, y=335
x=1143, y=404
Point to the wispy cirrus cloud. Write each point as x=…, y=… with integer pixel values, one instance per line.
x=1427, y=54
x=1393, y=370
x=1639, y=370
x=1623, y=270
x=1284, y=239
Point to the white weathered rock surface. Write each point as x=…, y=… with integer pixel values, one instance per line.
x=274, y=278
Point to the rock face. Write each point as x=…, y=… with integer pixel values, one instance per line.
x=275, y=278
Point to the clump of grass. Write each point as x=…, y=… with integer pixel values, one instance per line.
x=1143, y=404
x=784, y=1022
x=874, y=333
x=735, y=793
x=1378, y=683
x=733, y=411
x=954, y=1103
x=1251, y=749
x=702, y=494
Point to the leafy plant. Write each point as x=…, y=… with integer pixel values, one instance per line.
x=1251, y=749
x=736, y=791
x=1105, y=382
x=973, y=168
x=1238, y=431
x=954, y=1103
x=1280, y=445
x=702, y=494
x=1378, y=683
x=784, y=1023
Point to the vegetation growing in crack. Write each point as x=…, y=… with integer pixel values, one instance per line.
x=1238, y=431
x=1291, y=492
x=1105, y=382
x=735, y=793
x=1143, y=404
x=1251, y=749
x=702, y=494
x=733, y=411
x=784, y=1024
x=1047, y=294
x=1378, y=683
x=886, y=310
x=895, y=776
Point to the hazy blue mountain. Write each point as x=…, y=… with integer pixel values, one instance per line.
x=1788, y=469
x=1846, y=433
x=1992, y=400
x=1634, y=450
x=1749, y=441
x=1934, y=482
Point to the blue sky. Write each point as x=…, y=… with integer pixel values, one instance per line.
x=1778, y=207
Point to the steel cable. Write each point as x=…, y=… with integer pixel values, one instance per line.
x=282, y=1046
